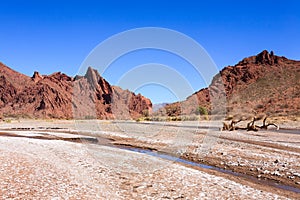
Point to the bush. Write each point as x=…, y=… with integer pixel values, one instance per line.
x=172, y=110
x=201, y=111
x=189, y=118
x=89, y=117
x=8, y=121
x=145, y=113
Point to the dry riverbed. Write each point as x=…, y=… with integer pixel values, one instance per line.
x=39, y=163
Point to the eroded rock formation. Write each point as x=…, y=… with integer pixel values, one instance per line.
x=263, y=83
x=60, y=96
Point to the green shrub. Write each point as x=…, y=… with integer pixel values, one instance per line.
x=201, y=111
x=89, y=117
x=7, y=120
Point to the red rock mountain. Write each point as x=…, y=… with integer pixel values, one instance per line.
x=262, y=83
x=60, y=96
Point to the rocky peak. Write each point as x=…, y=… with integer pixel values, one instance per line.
x=36, y=77
x=60, y=96
x=96, y=81
x=263, y=58
x=60, y=76
x=91, y=76
x=266, y=58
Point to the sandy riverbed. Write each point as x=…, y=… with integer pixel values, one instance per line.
x=55, y=168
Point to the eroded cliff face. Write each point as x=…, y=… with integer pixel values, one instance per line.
x=60, y=96
x=262, y=83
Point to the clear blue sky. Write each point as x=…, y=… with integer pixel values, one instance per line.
x=49, y=36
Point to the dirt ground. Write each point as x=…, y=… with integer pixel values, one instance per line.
x=38, y=167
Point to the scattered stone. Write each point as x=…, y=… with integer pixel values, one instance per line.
x=276, y=173
x=296, y=174
x=266, y=172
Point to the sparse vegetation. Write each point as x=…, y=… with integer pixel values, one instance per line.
x=8, y=120
x=17, y=116
x=173, y=110
x=90, y=117
x=202, y=111
x=164, y=118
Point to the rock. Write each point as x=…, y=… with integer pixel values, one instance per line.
x=266, y=172
x=224, y=153
x=296, y=174
x=276, y=173
x=60, y=96
x=36, y=77
x=255, y=75
x=258, y=169
x=265, y=58
x=241, y=164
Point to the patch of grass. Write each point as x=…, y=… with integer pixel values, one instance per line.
x=174, y=118
x=90, y=117
x=17, y=116
x=201, y=111
x=7, y=120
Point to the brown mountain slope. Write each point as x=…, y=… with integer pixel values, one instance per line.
x=264, y=83
x=60, y=96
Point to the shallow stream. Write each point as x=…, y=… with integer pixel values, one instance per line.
x=198, y=165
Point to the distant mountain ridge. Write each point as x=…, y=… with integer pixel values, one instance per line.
x=263, y=83
x=60, y=96
x=158, y=106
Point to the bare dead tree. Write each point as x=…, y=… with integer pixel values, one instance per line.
x=265, y=125
x=250, y=125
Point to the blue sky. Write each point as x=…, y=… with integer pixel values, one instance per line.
x=50, y=36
